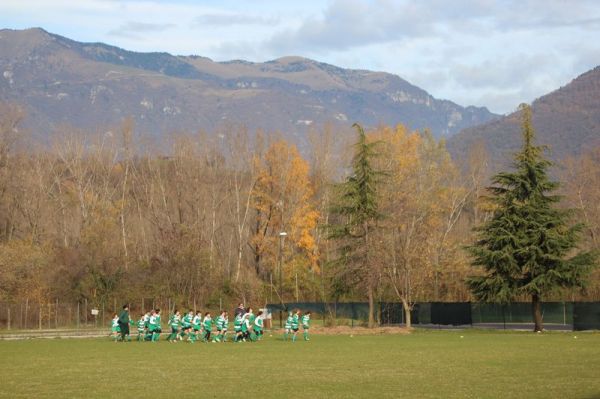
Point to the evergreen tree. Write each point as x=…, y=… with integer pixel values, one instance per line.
x=357, y=207
x=528, y=247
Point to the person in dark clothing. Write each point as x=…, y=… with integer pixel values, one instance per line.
x=240, y=310
x=124, y=322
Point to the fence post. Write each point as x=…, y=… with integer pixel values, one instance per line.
x=335, y=312
x=56, y=314
x=78, y=314
x=49, y=313
x=8, y=321
x=40, y=316
x=26, y=312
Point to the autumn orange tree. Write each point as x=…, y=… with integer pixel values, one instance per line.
x=282, y=199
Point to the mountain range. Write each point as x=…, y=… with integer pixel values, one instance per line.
x=566, y=120
x=94, y=85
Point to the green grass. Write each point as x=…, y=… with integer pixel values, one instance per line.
x=425, y=364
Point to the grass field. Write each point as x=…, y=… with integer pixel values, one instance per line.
x=424, y=364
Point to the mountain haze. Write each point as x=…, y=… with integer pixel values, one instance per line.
x=94, y=85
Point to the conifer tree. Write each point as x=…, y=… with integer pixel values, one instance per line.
x=358, y=209
x=528, y=247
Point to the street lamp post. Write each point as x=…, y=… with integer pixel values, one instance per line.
x=281, y=238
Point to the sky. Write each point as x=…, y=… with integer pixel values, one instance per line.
x=493, y=53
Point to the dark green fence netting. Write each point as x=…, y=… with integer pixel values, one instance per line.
x=521, y=312
x=586, y=316
x=582, y=315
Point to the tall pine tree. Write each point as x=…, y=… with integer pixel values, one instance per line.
x=358, y=211
x=528, y=247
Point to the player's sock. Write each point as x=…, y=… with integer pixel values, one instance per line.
x=285, y=336
x=306, y=335
x=294, y=338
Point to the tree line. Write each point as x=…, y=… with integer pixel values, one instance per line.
x=217, y=218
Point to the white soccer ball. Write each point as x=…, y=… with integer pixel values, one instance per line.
x=462, y=336
x=351, y=335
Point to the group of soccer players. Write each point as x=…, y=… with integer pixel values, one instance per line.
x=193, y=326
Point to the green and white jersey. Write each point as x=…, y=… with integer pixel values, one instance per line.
x=174, y=321
x=154, y=322
x=258, y=323
x=220, y=323
x=251, y=318
x=141, y=324
x=237, y=323
x=306, y=321
x=115, y=324
x=146, y=320
x=208, y=323
x=288, y=322
x=225, y=323
x=245, y=324
x=186, y=322
x=295, y=321
x=197, y=322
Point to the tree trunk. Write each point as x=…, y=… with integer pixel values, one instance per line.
x=371, y=306
x=536, y=305
x=406, y=307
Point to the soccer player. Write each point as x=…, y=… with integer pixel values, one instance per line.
x=196, y=326
x=208, y=324
x=116, y=330
x=147, y=320
x=186, y=324
x=141, y=327
x=155, y=327
x=306, y=325
x=245, y=327
x=225, y=325
x=250, y=318
x=174, y=323
x=148, y=336
x=220, y=323
x=258, y=325
x=295, y=324
x=288, y=326
x=237, y=327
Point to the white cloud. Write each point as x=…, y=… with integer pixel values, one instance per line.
x=235, y=19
